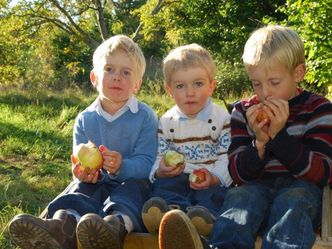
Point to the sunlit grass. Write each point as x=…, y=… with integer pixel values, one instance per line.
x=35, y=147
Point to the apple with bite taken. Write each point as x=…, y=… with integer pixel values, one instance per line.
x=173, y=158
x=262, y=115
x=197, y=176
x=89, y=156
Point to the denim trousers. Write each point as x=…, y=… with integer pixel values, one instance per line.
x=105, y=197
x=284, y=211
x=176, y=190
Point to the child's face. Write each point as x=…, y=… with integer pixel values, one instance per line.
x=190, y=88
x=116, y=79
x=275, y=80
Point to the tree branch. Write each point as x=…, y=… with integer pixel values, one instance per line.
x=103, y=26
x=154, y=11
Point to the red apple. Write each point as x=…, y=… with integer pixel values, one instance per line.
x=252, y=101
x=89, y=156
x=261, y=116
x=197, y=176
x=173, y=158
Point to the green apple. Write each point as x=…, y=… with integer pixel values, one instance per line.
x=89, y=156
x=173, y=158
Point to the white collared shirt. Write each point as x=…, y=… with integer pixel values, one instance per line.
x=131, y=104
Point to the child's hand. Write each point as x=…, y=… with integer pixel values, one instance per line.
x=209, y=180
x=112, y=160
x=83, y=174
x=259, y=128
x=166, y=171
x=278, y=112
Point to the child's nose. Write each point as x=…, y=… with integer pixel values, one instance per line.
x=190, y=91
x=115, y=75
x=266, y=91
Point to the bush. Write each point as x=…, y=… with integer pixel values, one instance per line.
x=232, y=80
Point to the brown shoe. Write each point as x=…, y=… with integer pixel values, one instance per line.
x=152, y=212
x=202, y=219
x=94, y=232
x=177, y=232
x=28, y=231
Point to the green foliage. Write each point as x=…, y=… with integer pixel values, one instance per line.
x=313, y=21
x=232, y=80
x=72, y=61
x=50, y=43
x=219, y=25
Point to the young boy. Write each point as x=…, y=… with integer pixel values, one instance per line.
x=197, y=129
x=280, y=163
x=125, y=131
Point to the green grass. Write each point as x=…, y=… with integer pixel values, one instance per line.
x=35, y=147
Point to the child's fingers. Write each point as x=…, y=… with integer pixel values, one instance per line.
x=74, y=159
x=102, y=148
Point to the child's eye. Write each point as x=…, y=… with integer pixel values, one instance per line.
x=126, y=73
x=179, y=86
x=255, y=83
x=108, y=69
x=275, y=82
x=199, y=83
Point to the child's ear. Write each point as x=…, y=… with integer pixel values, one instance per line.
x=169, y=89
x=137, y=86
x=299, y=72
x=212, y=86
x=93, y=78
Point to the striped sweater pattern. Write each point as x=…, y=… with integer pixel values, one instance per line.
x=302, y=149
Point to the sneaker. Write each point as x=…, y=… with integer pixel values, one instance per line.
x=28, y=231
x=152, y=212
x=202, y=219
x=177, y=232
x=95, y=232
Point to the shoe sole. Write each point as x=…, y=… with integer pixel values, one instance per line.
x=202, y=220
x=177, y=232
x=26, y=232
x=93, y=232
x=152, y=213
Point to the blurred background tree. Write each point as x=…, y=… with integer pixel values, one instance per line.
x=49, y=43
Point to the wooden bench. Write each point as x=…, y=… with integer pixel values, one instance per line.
x=323, y=239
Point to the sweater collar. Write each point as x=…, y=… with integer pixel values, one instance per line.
x=131, y=104
x=203, y=115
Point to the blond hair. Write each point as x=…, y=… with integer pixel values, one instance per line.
x=120, y=42
x=188, y=56
x=276, y=41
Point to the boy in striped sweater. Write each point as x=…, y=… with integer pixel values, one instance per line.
x=280, y=156
x=199, y=130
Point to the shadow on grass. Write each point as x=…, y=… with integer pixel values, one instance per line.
x=28, y=187
x=35, y=138
x=55, y=101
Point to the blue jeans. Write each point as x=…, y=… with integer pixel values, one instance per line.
x=176, y=190
x=285, y=211
x=105, y=197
